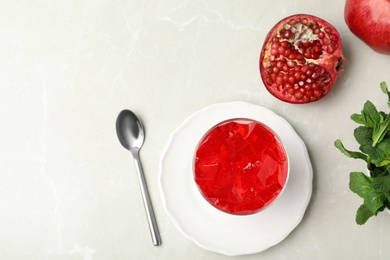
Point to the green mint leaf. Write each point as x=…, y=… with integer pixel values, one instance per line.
x=360, y=184
x=369, y=138
x=370, y=115
x=363, y=186
x=358, y=118
x=381, y=128
x=355, y=155
x=379, y=155
x=374, y=201
x=376, y=156
x=378, y=171
x=386, y=91
x=384, y=145
x=363, y=214
x=387, y=195
x=363, y=135
x=381, y=183
x=384, y=148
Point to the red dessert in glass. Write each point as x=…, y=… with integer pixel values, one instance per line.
x=240, y=166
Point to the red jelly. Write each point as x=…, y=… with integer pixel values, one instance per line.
x=240, y=166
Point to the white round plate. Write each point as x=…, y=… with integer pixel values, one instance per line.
x=211, y=228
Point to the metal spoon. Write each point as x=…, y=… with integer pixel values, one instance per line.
x=131, y=135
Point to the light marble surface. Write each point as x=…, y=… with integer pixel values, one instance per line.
x=68, y=190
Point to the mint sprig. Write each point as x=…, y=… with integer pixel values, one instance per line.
x=373, y=137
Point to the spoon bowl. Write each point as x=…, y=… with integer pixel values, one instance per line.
x=131, y=135
x=130, y=130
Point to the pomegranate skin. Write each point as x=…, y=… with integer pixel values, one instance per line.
x=301, y=58
x=369, y=20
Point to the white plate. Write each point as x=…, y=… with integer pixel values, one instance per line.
x=211, y=228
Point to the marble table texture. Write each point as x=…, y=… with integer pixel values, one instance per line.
x=68, y=189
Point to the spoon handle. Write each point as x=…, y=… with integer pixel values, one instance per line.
x=147, y=202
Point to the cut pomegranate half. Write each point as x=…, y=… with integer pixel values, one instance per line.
x=301, y=59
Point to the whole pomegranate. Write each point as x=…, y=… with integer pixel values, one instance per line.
x=301, y=59
x=369, y=20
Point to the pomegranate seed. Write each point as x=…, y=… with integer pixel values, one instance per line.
x=298, y=95
x=291, y=79
x=279, y=80
x=328, y=30
x=326, y=80
x=334, y=37
x=269, y=81
x=326, y=41
x=292, y=56
x=315, y=56
x=297, y=75
x=309, y=93
x=317, y=49
x=273, y=77
x=275, y=45
x=292, y=22
x=307, y=54
x=291, y=63
x=274, y=52
x=330, y=48
x=281, y=49
x=286, y=34
x=317, y=93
